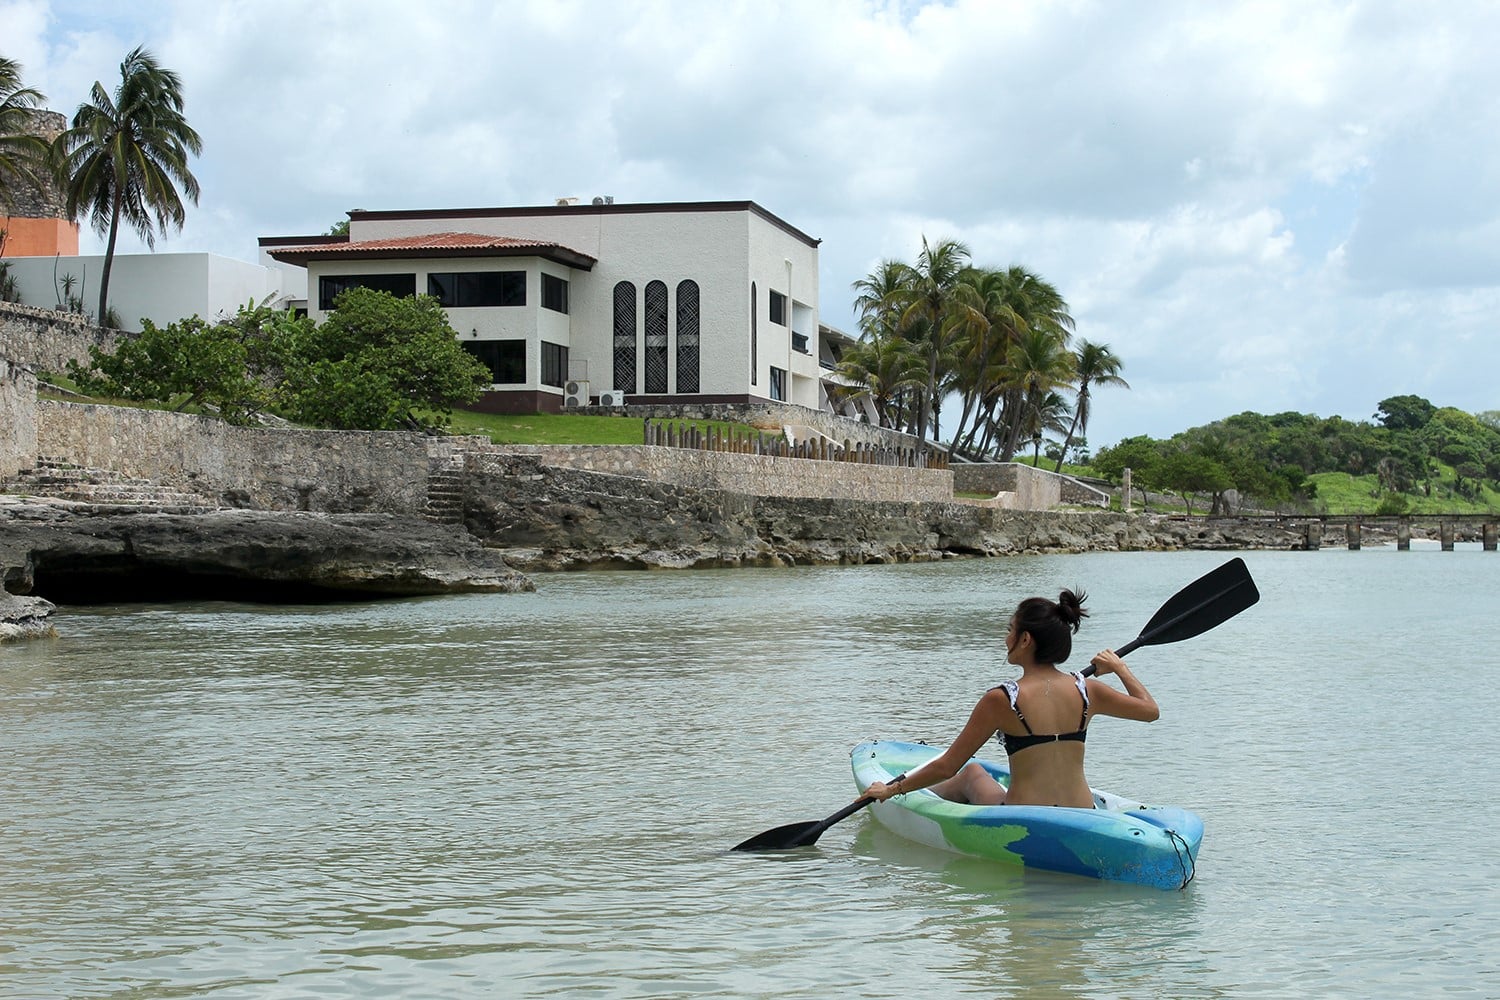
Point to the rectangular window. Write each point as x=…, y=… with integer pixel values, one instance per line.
x=554, y=364
x=778, y=383
x=506, y=359
x=799, y=343
x=778, y=308
x=554, y=293
x=329, y=285
x=461, y=289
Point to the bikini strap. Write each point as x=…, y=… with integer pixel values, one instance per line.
x=1082, y=685
x=1012, y=691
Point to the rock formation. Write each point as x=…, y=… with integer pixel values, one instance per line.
x=78, y=554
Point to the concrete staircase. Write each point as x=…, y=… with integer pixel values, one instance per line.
x=59, y=479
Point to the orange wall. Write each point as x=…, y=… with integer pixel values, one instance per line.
x=39, y=237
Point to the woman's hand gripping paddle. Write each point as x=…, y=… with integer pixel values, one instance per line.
x=1207, y=602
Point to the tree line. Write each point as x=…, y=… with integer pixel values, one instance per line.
x=1411, y=446
x=123, y=158
x=997, y=341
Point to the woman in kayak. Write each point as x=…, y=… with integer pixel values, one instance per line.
x=1042, y=718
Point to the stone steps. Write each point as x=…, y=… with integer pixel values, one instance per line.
x=445, y=497
x=59, y=479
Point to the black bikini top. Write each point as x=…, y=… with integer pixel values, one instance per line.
x=1015, y=744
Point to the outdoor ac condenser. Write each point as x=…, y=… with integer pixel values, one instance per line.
x=614, y=397
x=576, y=393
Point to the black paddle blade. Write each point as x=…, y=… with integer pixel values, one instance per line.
x=784, y=838
x=1208, y=601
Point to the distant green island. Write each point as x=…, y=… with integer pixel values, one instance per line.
x=1413, y=457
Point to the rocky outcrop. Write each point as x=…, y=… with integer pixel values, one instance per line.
x=24, y=617
x=72, y=553
x=548, y=518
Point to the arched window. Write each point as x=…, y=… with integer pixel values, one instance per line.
x=687, y=336
x=624, y=343
x=753, y=334
x=656, y=337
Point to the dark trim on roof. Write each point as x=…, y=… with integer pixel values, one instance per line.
x=302, y=241
x=557, y=254
x=535, y=211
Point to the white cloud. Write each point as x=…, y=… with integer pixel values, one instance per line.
x=1272, y=205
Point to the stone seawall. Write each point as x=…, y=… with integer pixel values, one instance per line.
x=756, y=475
x=250, y=467
x=46, y=340
x=17, y=418
x=1031, y=488
x=546, y=517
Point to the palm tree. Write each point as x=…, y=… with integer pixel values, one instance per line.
x=1051, y=415
x=932, y=299
x=887, y=368
x=884, y=362
x=1039, y=364
x=1095, y=365
x=125, y=156
x=22, y=151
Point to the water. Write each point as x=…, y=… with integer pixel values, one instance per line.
x=531, y=796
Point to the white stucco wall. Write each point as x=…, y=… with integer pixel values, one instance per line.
x=162, y=287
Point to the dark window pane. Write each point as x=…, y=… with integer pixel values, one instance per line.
x=465, y=289
x=687, y=336
x=778, y=308
x=329, y=286
x=554, y=293
x=656, y=337
x=506, y=359
x=624, y=337
x=554, y=364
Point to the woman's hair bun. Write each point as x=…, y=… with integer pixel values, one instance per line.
x=1070, y=608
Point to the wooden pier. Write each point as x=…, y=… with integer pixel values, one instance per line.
x=1315, y=527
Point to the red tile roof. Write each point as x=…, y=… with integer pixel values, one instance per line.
x=437, y=245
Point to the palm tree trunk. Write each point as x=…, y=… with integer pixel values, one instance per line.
x=1068, y=443
x=109, y=255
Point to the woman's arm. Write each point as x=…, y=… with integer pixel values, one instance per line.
x=983, y=723
x=1135, y=702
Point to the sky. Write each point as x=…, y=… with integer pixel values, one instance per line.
x=1263, y=206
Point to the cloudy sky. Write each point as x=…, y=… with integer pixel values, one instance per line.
x=1259, y=206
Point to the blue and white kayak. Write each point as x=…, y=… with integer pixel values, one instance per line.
x=1120, y=839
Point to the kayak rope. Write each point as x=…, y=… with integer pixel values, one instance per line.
x=1185, y=860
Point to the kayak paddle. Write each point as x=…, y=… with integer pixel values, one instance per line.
x=1207, y=602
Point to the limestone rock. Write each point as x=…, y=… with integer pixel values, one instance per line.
x=24, y=617
x=80, y=555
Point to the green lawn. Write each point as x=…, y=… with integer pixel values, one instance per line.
x=567, y=428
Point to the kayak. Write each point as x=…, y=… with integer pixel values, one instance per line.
x=1119, y=840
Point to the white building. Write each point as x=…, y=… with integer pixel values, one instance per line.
x=674, y=302
x=161, y=287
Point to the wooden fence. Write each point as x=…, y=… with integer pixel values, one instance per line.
x=672, y=434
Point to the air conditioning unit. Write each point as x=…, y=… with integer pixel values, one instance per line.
x=614, y=397
x=576, y=393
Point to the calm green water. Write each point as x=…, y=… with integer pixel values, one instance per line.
x=533, y=795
